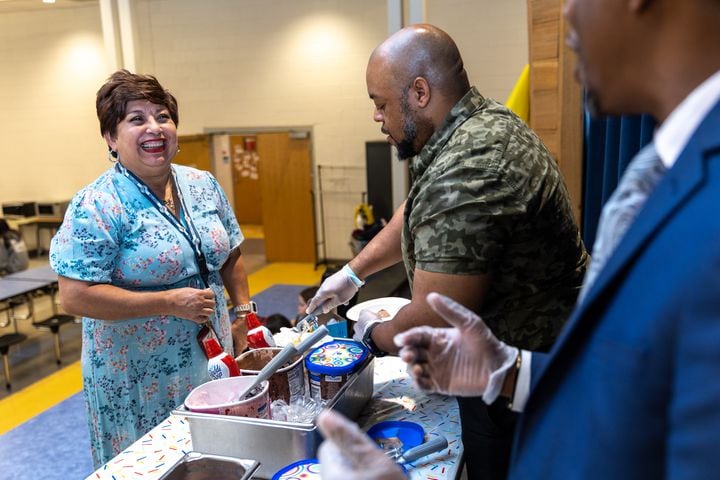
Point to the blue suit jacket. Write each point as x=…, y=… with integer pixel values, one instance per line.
x=632, y=387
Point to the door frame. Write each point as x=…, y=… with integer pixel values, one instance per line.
x=224, y=165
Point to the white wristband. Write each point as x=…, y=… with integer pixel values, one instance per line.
x=351, y=275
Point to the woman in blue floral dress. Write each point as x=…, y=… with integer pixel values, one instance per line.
x=144, y=255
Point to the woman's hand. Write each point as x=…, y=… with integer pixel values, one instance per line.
x=239, y=331
x=192, y=304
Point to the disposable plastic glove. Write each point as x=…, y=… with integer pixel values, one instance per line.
x=337, y=289
x=467, y=360
x=348, y=454
x=366, y=318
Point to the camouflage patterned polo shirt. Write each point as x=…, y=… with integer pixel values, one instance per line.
x=487, y=198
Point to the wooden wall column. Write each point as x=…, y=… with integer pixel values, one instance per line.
x=555, y=96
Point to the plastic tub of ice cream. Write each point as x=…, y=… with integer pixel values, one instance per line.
x=287, y=383
x=221, y=397
x=330, y=366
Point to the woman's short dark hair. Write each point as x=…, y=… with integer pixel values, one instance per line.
x=123, y=87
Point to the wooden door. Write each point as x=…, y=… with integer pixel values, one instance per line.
x=246, y=173
x=286, y=189
x=194, y=152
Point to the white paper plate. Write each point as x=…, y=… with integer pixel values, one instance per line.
x=390, y=304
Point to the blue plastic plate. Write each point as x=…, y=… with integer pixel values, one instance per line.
x=393, y=434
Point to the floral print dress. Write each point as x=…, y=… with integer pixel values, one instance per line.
x=136, y=371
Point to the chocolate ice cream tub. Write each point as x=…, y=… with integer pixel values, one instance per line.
x=286, y=383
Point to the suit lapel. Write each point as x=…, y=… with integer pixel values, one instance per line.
x=674, y=188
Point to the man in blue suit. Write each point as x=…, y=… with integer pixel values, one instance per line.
x=631, y=388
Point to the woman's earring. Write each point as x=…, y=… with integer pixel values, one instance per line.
x=112, y=155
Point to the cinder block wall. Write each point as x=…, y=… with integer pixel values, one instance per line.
x=249, y=64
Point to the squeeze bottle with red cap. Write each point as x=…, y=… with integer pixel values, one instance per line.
x=259, y=336
x=220, y=364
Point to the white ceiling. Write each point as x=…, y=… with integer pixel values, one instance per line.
x=8, y=6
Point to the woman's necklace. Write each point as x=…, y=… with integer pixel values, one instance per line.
x=169, y=200
x=169, y=203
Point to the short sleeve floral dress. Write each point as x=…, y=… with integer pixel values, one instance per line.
x=136, y=371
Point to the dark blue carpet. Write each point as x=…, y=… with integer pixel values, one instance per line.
x=52, y=445
x=279, y=298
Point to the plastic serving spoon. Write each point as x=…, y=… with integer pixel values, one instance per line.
x=281, y=358
x=435, y=445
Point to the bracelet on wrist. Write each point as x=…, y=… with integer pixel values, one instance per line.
x=245, y=308
x=352, y=276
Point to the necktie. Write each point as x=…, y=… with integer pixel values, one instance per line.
x=636, y=185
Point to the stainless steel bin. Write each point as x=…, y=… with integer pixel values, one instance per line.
x=201, y=466
x=273, y=443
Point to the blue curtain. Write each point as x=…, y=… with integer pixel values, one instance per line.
x=610, y=144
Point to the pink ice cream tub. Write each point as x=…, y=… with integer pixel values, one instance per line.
x=220, y=397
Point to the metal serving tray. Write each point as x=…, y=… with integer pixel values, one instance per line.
x=201, y=466
x=273, y=443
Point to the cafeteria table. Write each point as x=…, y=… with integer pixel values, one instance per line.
x=12, y=288
x=42, y=274
x=394, y=398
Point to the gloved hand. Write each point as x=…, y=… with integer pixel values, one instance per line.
x=348, y=454
x=466, y=361
x=366, y=318
x=337, y=289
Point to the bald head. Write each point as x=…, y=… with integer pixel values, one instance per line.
x=425, y=51
x=415, y=77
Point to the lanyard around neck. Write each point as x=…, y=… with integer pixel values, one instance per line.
x=191, y=234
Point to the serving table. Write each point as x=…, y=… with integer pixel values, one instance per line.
x=394, y=398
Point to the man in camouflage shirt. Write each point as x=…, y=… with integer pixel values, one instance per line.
x=488, y=199
x=487, y=221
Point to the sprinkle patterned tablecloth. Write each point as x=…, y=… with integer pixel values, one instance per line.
x=152, y=455
x=394, y=398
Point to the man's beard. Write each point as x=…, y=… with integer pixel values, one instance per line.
x=406, y=148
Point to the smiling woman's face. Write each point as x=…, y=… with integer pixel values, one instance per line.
x=146, y=139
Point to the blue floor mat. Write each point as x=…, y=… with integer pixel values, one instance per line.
x=279, y=298
x=52, y=445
